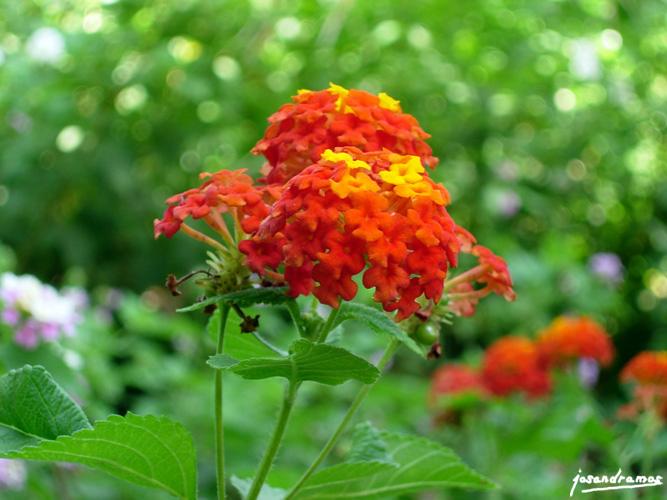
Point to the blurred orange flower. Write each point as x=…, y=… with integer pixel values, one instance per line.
x=511, y=364
x=572, y=338
x=455, y=379
x=648, y=367
x=648, y=370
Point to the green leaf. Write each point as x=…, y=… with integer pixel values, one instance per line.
x=237, y=344
x=321, y=363
x=266, y=493
x=223, y=361
x=245, y=298
x=378, y=322
x=368, y=446
x=33, y=407
x=149, y=451
x=418, y=465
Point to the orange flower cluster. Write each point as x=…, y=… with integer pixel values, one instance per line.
x=300, y=132
x=572, y=338
x=351, y=207
x=519, y=364
x=345, y=192
x=511, y=364
x=648, y=371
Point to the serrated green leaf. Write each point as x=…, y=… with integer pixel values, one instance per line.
x=245, y=298
x=33, y=407
x=237, y=344
x=419, y=464
x=149, y=451
x=266, y=493
x=368, y=446
x=378, y=322
x=321, y=363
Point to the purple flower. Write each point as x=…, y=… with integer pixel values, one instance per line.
x=13, y=474
x=37, y=311
x=588, y=371
x=607, y=266
x=509, y=203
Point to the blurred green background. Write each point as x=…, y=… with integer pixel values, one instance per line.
x=549, y=119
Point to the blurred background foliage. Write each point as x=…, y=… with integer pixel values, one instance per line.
x=549, y=119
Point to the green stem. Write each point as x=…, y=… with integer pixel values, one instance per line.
x=268, y=344
x=388, y=353
x=219, y=431
x=274, y=443
x=328, y=326
x=295, y=313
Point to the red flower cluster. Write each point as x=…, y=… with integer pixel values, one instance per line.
x=455, y=379
x=351, y=207
x=300, y=132
x=572, y=338
x=648, y=370
x=223, y=192
x=454, y=387
x=346, y=193
x=519, y=364
x=512, y=364
x=491, y=272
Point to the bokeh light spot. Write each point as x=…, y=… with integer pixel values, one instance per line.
x=611, y=39
x=208, y=111
x=131, y=99
x=565, y=100
x=69, y=139
x=226, y=68
x=184, y=49
x=288, y=28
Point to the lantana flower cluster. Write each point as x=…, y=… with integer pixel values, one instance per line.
x=345, y=193
x=516, y=364
x=647, y=373
x=301, y=131
x=35, y=311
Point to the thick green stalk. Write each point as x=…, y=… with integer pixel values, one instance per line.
x=274, y=443
x=219, y=431
x=388, y=353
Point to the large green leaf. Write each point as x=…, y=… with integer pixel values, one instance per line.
x=33, y=407
x=418, y=464
x=149, y=451
x=321, y=363
x=378, y=322
x=245, y=298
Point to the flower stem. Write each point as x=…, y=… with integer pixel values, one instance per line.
x=219, y=431
x=328, y=326
x=274, y=443
x=386, y=356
